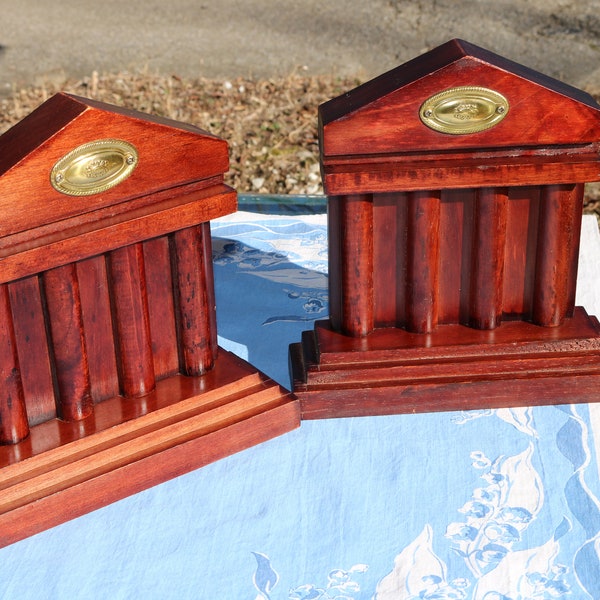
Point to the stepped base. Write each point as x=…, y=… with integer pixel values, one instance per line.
x=64, y=470
x=392, y=371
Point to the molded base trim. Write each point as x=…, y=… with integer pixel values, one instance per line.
x=392, y=371
x=64, y=470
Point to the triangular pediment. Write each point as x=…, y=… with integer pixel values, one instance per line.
x=539, y=111
x=112, y=155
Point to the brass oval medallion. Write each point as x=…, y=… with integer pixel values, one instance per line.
x=463, y=110
x=94, y=167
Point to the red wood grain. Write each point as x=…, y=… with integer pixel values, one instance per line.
x=410, y=399
x=457, y=214
x=13, y=413
x=557, y=252
x=94, y=292
x=78, y=238
x=193, y=155
x=387, y=174
x=453, y=341
x=474, y=234
x=158, y=267
x=389, y=254
x=356, y=264
x=68, y=350
x=57, y=474
x=381, y=117
x=334, y=257
x=131, y=320
x=32, y=349
x=196, y=302
x=489, y=240
x=113, y=380
x=423, y=262
x=394, y=371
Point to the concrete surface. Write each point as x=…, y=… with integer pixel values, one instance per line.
x=263, y=38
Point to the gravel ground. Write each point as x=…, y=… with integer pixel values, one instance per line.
x=270, y=124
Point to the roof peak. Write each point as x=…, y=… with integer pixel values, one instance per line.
x=429, y=63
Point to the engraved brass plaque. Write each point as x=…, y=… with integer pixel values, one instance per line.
x=464, y=110
x=94, y=167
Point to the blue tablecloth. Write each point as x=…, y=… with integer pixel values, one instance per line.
x=482, y=505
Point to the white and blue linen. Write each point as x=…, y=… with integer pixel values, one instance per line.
x=481, y=505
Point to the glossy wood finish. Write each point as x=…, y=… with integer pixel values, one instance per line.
x=379, y=119
x=472, y=256
x=422, y=261
x=67, y=343
x=487, y=258
x=113, y=379
x=459, y=232
x=557, y=254
x=31, y=337
x=393, y=371
x=195, y=294
x=356, y=264
x=63, y=470
x=131, y=320
x=14, y=426
x=188, y=156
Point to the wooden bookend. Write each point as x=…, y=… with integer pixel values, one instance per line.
x=455, y=189
x=112, y=380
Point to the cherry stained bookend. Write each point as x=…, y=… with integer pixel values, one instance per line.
x=112, y=380
x=455, y=187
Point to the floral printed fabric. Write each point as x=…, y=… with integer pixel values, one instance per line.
x=481, y=505
x=503, y=523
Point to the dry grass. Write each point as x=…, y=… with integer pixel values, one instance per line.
x=271, y=125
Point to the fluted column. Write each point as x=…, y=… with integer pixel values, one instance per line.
x=196, y=301
x=423, y=261
x=13, y=415
x=356, y=262
x=68, y=351
x=131, y=320
x=487, y=268
x=556, y=256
